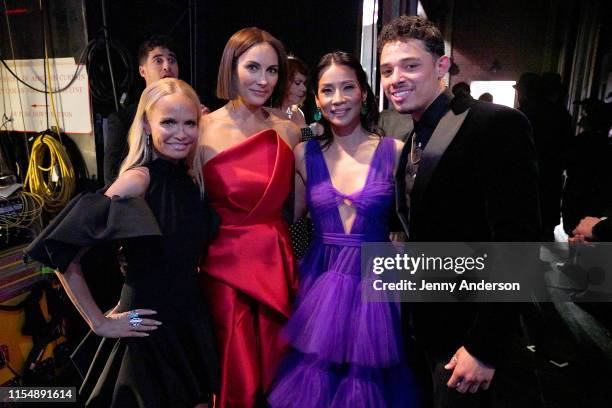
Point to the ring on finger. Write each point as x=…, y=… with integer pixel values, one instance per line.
x=455, y=360
x=132, y=314
x=135, y=321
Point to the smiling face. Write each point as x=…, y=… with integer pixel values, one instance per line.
x=339, y=97
x=173, y=125
x=411, y=76
x=256, y=74
x=297, y=89
x=160, y=63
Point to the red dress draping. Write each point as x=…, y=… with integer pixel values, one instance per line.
x=249, y=275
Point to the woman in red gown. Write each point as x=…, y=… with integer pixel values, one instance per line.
x=249, y=273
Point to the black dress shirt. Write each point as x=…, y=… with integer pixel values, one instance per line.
x=425, y=126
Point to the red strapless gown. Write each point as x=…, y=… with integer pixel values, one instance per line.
x=249, y=275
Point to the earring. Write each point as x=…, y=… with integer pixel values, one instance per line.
x=317, y=114
x=148, y=153
x=364, y=108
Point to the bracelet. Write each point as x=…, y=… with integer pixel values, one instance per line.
x=307, y=134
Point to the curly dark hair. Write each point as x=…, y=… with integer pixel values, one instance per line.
x=151, y=43
x=369, y=121
x=405, y=28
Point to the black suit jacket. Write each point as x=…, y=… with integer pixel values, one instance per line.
x=602, y=231
x=484, y=188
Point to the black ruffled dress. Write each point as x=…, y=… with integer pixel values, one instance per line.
x=162, y=238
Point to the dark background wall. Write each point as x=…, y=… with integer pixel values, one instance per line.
x=199, y=29
x=65, y=24
x=308, y=30
x=499, y=40
x=572, y=37
x=520, y=35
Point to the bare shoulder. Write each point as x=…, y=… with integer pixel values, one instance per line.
x=131, y=183
x=275, y=113
x=218, y=114
x=217, y=118
x=207, y=122
x=213, y=125
x=288, y=130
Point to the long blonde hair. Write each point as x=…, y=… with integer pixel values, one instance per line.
x=137, y=137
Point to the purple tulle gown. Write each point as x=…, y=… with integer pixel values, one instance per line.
x=347, y=353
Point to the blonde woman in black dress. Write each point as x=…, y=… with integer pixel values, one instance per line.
x=157, y=346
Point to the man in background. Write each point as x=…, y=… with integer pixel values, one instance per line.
x=156, y=60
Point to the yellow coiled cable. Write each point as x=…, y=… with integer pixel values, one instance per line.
x=55, y=184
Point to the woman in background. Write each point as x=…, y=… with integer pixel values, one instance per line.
x=157, y=348
x=295, y=94
x=247, y=159
x=297, y=73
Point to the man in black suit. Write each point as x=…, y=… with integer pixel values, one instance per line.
x=469, y=174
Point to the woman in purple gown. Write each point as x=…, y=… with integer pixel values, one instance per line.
x=347, y=353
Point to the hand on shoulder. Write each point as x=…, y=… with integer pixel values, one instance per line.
x=131, y=183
